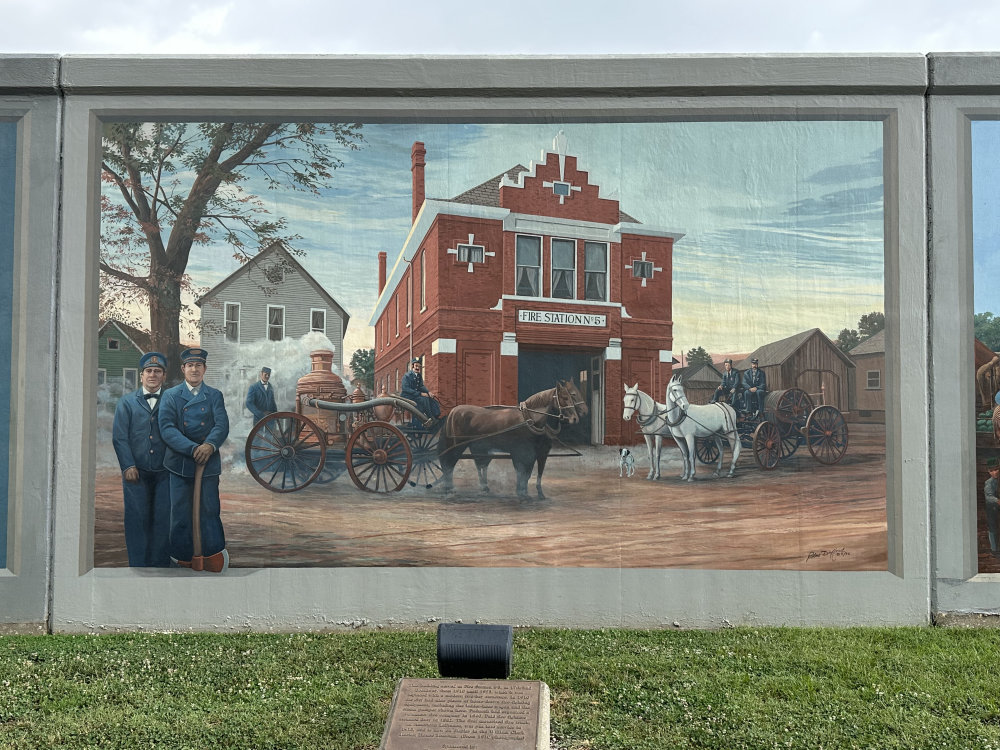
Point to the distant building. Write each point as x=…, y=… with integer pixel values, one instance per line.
x=528, y=277
x=869, y=378
x=699, y=381
x=808, y=360
x=237, y=311
x=119, y=347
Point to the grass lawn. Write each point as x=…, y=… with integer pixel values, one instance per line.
x=736, y=688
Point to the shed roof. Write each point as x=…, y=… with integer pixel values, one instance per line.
x=871, y=345
x=140, y=339
x=777, y=352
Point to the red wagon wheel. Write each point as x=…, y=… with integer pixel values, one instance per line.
x=378, y=458
x=285, y=451
x=826, y=434
x=766, y=445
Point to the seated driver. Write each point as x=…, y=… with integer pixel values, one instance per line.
x=755, y=388
x=413, y=389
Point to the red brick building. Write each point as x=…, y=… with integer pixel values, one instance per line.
x=528, y=277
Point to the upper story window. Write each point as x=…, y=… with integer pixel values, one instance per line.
x=471, y=253
x=874, y=380
x=275, y=323
x=564, y=269
x=232, y=321
x=561, y=188
x=114, y=345
x=642, y=269
x=317, y=320
x=595, y=271
x=423, y=280
x=527, y=281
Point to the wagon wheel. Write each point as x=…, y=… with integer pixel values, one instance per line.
x=826, y=434
x=745, y=427
x=285, y=452
x=707, y=450
x=426, y=464
x=766, y=445
x=790, y=406
x=790, y=439
x=378, y=458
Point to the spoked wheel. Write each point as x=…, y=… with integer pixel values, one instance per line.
x=378, y=458
x=789, y=439
x=285, y=452
x=826, y=434
x=426, y=465
x=790, y=406
x=707, y=450
x=766, y=445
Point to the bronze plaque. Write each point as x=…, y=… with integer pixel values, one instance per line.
x=448, y=714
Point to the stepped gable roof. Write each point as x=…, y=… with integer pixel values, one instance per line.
x=488, y=193
x=873, y=345
x=777, y=352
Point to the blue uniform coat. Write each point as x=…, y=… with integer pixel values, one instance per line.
x=186, y=422
x=755, y=379
x=137, y=442
x=260, y=401
x=413, y=389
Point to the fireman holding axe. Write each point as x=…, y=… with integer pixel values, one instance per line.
x=194, y=425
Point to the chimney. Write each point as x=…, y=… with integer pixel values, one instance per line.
x=417, y=154
x=382, y=258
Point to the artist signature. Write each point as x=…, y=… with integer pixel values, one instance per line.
x=838, y=552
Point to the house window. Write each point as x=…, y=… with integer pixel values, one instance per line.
x=114, y=345
x=102, y=376
x=232, y=321
x=595, y=271
x=529, y=266
x=130, y=378
x=397, y=380
x=317, y=321
x=874, y=380
x=275, y=323
x=471, y=253
x=423, y=281
x=642, y=269
x=564, y=269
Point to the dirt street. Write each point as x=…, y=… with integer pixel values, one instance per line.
x=801, y=516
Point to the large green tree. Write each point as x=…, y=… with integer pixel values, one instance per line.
x=363, y=367
x=698, y=356
x=177, y=185
x=986, y=328
x=870, y=323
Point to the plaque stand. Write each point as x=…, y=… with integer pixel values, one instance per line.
x=448, y=714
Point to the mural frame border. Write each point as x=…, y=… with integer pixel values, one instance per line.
x=963, y=89
x=889, y=88
x=29, y=97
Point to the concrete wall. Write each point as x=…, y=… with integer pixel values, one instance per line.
x=59, y=104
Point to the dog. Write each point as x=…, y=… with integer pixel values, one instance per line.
x=626, y=463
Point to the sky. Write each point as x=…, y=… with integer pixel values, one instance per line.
x=770, y=213
x=512, y=27
x=985, y=217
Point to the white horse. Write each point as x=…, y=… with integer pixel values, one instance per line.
x=686, y=423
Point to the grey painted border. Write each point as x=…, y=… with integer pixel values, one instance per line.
x=958, y=587
x=87, y=599
x=24, y=584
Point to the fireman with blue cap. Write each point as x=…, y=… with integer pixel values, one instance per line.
x=136, y=438
x=194, y=425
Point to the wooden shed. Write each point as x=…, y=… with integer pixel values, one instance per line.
x=868, y=380
x=700, y=381
x=808, y=360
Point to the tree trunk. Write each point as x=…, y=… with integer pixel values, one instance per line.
x=164, y=324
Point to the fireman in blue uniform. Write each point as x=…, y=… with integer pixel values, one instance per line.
x=260, y=396
x=194, y=425
x=135, y=435
x=755, y=387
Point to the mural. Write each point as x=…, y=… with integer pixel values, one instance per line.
x=8, y=153
x=986, y=327
x=474, y=345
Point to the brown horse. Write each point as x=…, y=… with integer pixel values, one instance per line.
x=523, y=432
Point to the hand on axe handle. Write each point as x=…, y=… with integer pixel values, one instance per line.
x=202, y=453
